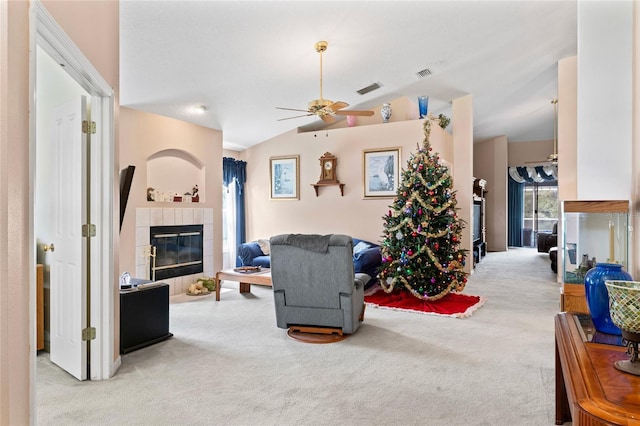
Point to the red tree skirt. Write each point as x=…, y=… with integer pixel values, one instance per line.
x=453, y=304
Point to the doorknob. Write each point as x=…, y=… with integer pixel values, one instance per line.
x=49, y=247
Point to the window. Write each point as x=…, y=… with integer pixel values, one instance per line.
x=540, y=210
x=229, y=226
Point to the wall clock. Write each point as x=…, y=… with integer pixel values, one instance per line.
x=328, y=164
x=328, y=177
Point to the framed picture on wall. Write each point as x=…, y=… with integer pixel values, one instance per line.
x=285, y=177
x=381, y=172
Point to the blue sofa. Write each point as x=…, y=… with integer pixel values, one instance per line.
x=366, y=257
x=250, y=254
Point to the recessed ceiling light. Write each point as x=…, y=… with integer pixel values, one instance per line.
x=200, y=109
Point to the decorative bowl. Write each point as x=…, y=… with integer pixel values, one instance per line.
x=624, y=304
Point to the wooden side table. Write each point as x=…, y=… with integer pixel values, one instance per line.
x=589, y=389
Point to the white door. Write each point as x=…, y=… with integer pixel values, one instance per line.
x=68, y=278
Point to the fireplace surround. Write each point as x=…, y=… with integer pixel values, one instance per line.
x=178, y=251
x=190, y=214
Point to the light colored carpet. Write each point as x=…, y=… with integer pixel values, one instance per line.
x=229, y=364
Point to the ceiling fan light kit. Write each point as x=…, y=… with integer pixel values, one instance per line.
x=324, y=108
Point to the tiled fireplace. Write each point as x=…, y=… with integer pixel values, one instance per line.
x=173, y=218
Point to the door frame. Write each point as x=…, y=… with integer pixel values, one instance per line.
x=46, y=33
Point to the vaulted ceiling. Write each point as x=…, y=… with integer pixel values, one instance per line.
x=241, y=59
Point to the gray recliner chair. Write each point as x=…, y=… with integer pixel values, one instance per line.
x=314, y=284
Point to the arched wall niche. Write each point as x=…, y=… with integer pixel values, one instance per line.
x=174, y=172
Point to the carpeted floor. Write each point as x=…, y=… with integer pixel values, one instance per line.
x=229, y=364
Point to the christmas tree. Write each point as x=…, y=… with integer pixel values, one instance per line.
x=420, y=247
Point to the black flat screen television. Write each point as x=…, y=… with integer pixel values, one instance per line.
x=477, y=222
x=126, y=177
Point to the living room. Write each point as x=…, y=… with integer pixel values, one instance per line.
x=15, y=150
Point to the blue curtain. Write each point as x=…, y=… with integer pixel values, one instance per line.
x=518, y=176
x=236, y=170
x=543, y=173
x=516, y=211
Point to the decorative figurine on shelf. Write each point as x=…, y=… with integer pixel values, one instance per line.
x=151, y=194
x=195, y=197
x=585, y=265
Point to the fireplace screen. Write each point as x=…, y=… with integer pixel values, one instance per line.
x=178, y=251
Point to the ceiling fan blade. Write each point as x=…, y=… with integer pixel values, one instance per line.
x=293, y=109
x=327, y=118
x=355, y=112
x=297, y=116
x=337, y=105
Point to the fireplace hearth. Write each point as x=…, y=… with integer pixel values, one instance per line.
x=178, y=251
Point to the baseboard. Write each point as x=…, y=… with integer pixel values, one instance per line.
x=116, y=365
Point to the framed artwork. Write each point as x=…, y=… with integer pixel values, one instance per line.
x=381, y=172
x=285, y=177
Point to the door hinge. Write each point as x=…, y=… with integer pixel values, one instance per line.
x=89, y=230
x=88, y=333
x=89, y=127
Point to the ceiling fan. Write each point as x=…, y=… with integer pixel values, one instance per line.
x=552, y=158
x=324, y=108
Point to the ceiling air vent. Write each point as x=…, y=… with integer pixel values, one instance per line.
x=425, y=72
x=369, y=88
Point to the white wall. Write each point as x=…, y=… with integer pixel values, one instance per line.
x=605, y=36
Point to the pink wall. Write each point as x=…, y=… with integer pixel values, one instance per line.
x=329, y=212
x=490, y=164
x=147, y=134
x=521, y=153
x=463, y=172
x=568, y=128
x=635, y=198
x=94, y=27
x=16, y=336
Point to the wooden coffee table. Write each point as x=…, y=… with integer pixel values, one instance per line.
x=263, y=277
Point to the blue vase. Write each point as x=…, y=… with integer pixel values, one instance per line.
x=598, y=297
x=423, y=105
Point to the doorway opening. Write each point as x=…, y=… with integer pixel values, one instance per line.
x=50, y=43
x=540, y=210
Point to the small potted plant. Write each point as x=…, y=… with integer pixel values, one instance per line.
x=444, y=121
